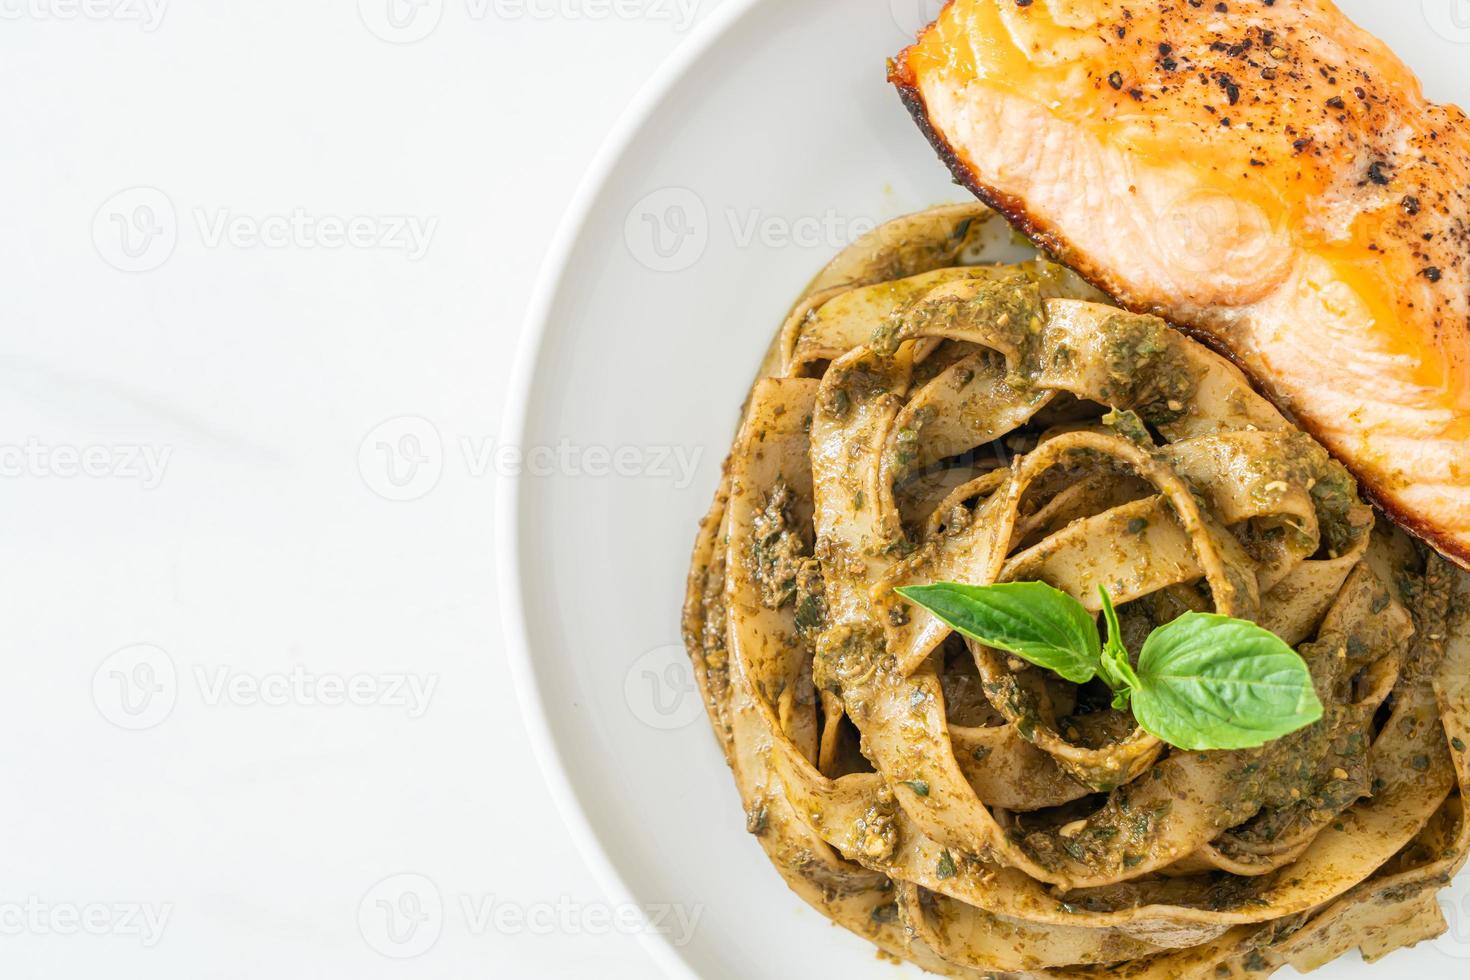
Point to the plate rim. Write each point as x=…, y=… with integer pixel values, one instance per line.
x=526, y=680
x=524, y=676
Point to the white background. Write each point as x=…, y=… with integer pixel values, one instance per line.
x=253, y=361
x=206, y=396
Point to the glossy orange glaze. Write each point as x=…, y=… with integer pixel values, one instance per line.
x=1304, y=155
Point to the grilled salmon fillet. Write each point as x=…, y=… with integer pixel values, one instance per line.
x=1264, y=174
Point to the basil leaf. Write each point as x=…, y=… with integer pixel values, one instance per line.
x=1211, y=682
x=1115, y=668
x=1030, y=619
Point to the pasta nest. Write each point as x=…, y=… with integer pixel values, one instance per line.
x=928, y=416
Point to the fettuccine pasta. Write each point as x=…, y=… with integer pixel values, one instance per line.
x=925, y=415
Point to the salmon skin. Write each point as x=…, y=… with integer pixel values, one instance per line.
x=1266, y=175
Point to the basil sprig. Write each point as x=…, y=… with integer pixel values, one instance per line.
x=1030, y=619
x=1203, y=682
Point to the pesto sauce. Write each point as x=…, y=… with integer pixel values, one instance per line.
x=1147, y=370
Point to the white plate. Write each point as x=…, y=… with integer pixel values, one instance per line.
x=770, y=142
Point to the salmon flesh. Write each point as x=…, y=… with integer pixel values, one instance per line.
x=1267, y=176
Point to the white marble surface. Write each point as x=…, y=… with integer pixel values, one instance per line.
x=242, y=686
x=254, y=704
